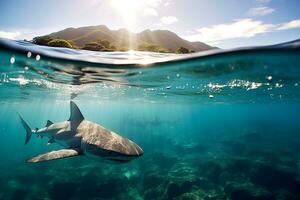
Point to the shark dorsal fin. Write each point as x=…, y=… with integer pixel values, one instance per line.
x=49, y=123
x=75, y=113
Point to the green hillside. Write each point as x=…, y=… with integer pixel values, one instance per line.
x=101, y=38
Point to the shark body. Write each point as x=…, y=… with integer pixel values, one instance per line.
x=82, y=137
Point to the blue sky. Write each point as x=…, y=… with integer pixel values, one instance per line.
x=223, y=23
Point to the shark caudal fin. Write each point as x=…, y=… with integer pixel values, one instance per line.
x=27, y=128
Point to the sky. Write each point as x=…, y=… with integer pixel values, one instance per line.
x=221, y=23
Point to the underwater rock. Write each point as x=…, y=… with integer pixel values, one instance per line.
x=112, y=187
x=247, y=191
x=153, y=179
x=217, y=196
x=65, y=190
x=285, y=195
x=211, y=170
x=226, y=176
x=262, y=155
x=133, y=177
x=181, y=179
x=156, y=193
x=238, y=165
x=89, y=182
x=175, y=189
x=132, y=194
x=206, y=184
x=288, y=158
x=193, y=195
x=153, y=184
x=199, y=194
x=274, y=177
x=182, y=170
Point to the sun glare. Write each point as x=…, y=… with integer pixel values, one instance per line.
x=128, y=10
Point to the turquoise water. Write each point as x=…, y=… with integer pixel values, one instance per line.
x=213, y=125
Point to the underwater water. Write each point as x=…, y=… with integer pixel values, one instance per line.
x=222, y=124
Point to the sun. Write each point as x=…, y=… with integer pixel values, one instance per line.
x=128, y=10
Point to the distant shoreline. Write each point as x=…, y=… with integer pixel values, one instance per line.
x=104, y=46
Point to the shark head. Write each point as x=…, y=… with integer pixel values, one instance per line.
x=134, y=151
x=122, y=152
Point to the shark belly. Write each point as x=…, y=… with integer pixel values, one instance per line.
x=69, y=143
x=97, y=153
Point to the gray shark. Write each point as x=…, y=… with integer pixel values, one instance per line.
x=82, y=137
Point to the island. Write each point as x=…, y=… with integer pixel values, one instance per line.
x=101, y=38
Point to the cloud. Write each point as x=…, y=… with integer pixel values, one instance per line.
x=242, y=28
x=260, y=11
x=151, y=6
x=9, y=35
x=168, y=20
x=150, y=12
x=260, y=8
x=290, y=25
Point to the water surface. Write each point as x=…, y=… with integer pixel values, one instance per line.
x=222, y=124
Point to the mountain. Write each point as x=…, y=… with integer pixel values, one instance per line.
x=122, y=38
x=170, y=40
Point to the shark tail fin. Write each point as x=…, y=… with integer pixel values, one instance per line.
x=27, y=128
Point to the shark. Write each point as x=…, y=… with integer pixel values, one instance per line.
x=81, y=137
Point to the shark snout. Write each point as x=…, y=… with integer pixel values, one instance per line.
x=139, y=150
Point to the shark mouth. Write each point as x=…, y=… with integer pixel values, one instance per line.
x=118, y=160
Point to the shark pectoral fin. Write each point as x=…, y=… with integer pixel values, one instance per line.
x=53, y=155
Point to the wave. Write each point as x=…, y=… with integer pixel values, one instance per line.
x=243, y=74
x=129, y=57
